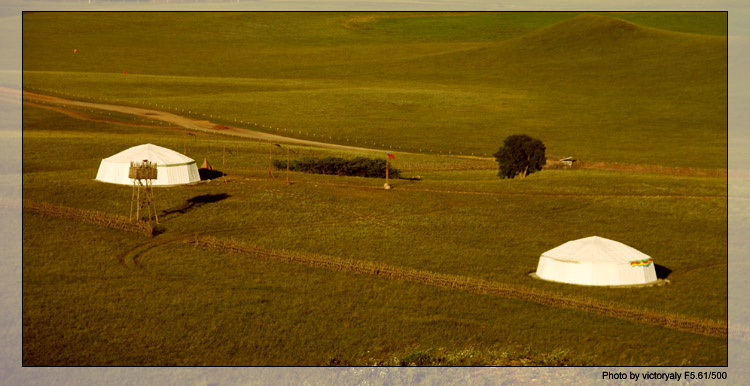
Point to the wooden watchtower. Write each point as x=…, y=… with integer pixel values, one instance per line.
x=143, y=175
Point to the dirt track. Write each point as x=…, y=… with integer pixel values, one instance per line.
x=177, y=120
x=53, y=103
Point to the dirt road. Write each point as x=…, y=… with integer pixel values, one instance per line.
x=178, y=120
x=47, y=101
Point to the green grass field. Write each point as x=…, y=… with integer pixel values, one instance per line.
x=474, y=225
x=599, y=88
x=594, y=87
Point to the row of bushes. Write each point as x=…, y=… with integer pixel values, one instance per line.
x=357, y=167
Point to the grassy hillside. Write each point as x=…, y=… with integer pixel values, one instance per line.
x=640, y=88
x=99, y=296
x=595, y=87
x=273, y=44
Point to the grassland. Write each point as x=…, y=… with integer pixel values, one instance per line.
x=179, y=305
x=596, y=87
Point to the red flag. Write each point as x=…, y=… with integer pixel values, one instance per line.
x=391, y=155
x=124, y=72
x=75, y=50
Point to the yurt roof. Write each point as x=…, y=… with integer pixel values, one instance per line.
x=173, y=168
x=595, y=249
x=160, y=155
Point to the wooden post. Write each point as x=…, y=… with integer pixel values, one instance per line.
x=153, y=200
x=223, y=164
x=387, y=186
x=386, y=171
x=143, y=175
x=148, y=203
x=132, y=201
x=150, y=199
x=270, y=162
x=287, y=166
x=138, y=205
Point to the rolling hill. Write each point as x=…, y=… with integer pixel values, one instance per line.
x=224, y=281
x=595, y=87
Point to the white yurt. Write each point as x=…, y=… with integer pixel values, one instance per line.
x=596, y=261
x=172, y=167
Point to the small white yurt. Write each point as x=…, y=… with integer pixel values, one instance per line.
x=596, y=261
x=172, y=167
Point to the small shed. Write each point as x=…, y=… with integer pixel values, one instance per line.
x=567, y=162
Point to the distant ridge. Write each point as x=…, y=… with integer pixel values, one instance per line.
x=583, y=46
x=589, y=33
x=588, y=28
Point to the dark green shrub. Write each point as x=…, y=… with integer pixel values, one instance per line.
x=357, y=167
x=520, y=155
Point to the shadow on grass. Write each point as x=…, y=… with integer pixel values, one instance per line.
x=208, y=174
x=662, y=272
x=191, y=204
x=157, y=230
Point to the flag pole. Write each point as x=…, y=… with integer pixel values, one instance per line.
x=387, y=186
x=224, y=163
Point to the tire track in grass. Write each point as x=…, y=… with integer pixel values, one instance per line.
x=80, y=115
x=132, y=258
x=88, y=216
x=209, y=127
x=679, y=322
x=674, y=321
x=708, y=327
x=185, y=122
x=573, y=195
x=512, y=194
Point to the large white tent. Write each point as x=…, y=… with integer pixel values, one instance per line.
x=596, y=261
x=172, y=167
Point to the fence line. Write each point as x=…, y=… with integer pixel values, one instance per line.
x=88, y=216
x=691, y=324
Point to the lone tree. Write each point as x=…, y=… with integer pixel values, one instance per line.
x=520, y=155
